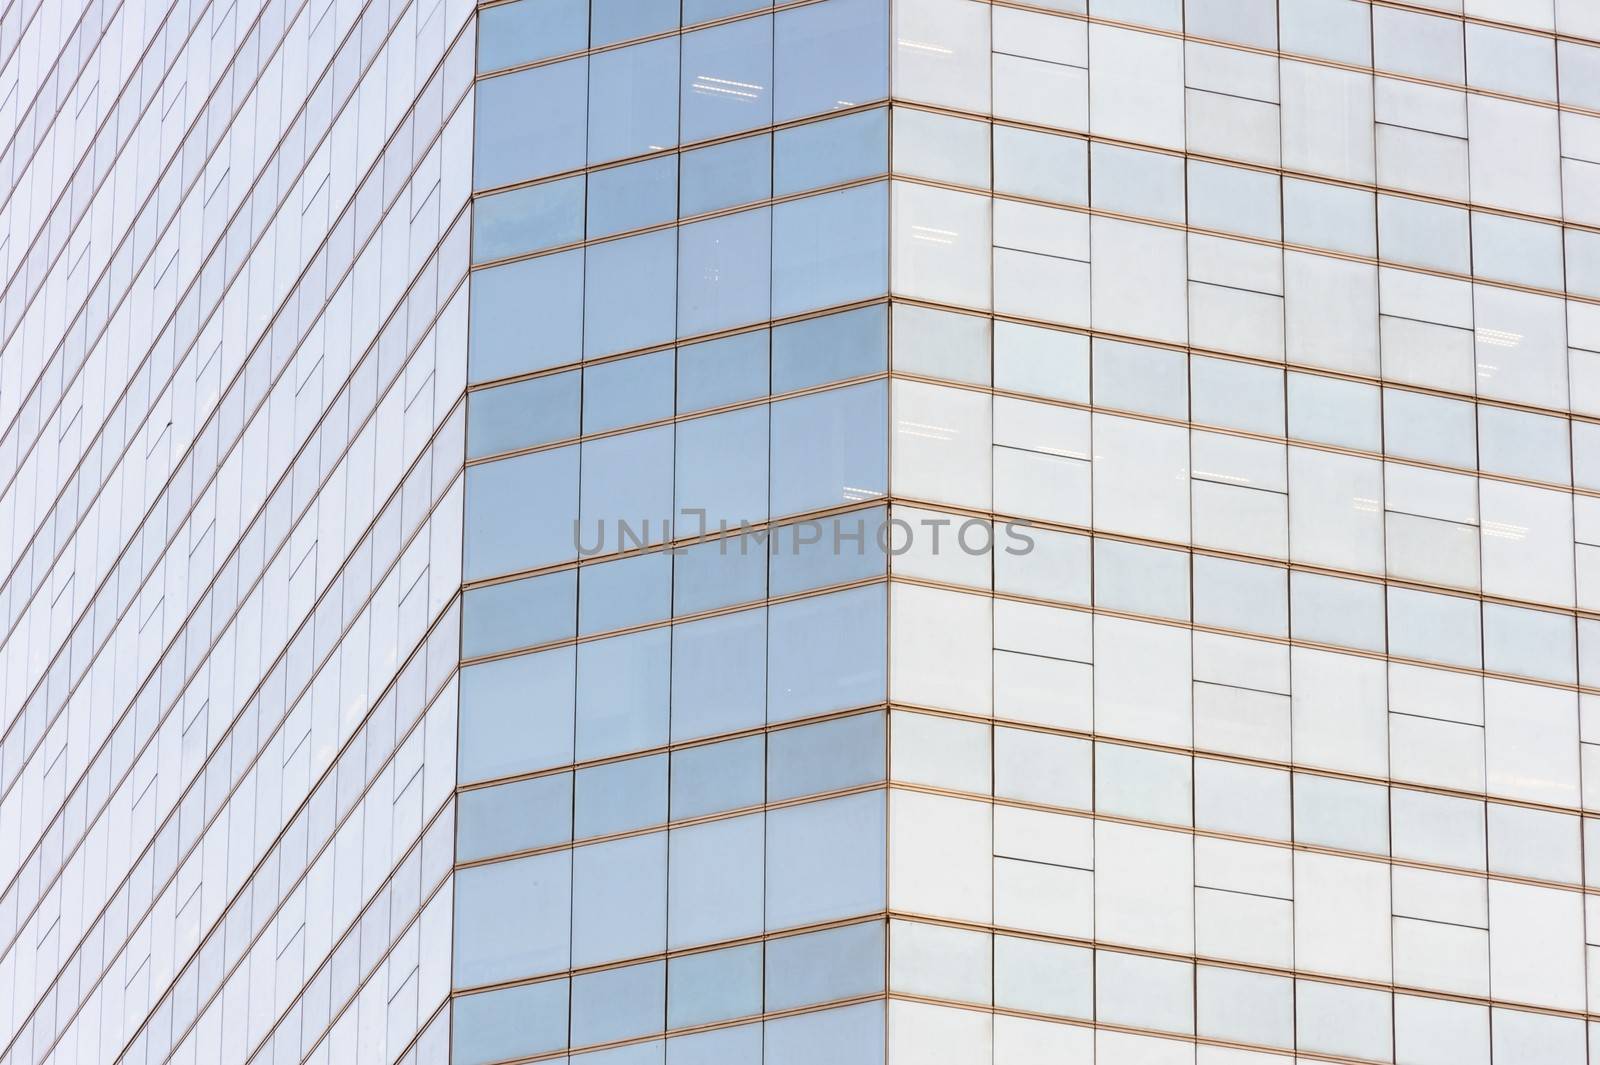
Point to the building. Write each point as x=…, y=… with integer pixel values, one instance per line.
x=845, y=532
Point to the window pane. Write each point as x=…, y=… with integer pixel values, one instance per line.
x=718, y=777
x=625, y=592
x=527, y=219
x=627, y=490
x=520, y=512
x=722, y=371
x=724, y=175
x=719, y=573
x=522, y=414
x=630, y=392
x=719, y=674
x=618, y=1003
x=829, y=448
x=825, y=860
x=512, y=34
x=530, y=123
x=526, y=316
x=826, y=153
x=633, y=105
x=829, y=249
x=631, y=297
x=511, y=919
x=826, y=756
x=830, y=55
x=534, y=610
x=623, y=693
x=621, y=796
x=522, y=815
x=830, y=348
x=714, y=986
x=727, y=75
x=723, y=272
x=722, y=469
x=513, y=1022
x=619, y=892
x=516, y=715
x=837, y=963
x=826, y=653
x=630, y=197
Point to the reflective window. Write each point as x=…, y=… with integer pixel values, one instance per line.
x=526, y=316
x=531, y=123
x=516, y=715
x=727, y=79
x=511, y=918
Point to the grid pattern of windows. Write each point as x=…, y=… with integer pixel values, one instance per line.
x=673, y=732
x=1032, y=533
x=234, y=238
x=1279, y=322
x=807, y=532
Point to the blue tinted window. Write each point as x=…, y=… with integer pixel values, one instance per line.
x=829, y=56
x=826, y=153
x=527, y=219
x=522, y=815
x=724, y=175
x=714, y=881
x=623, y=686
x=618, y=1003
x=829, y=249
x=830, y=348
x=630, y=392
x=633, y=196
x=625, y=592
x=511, y=919
x=824, y=551
x=714, y=986
x=619, y=904
x=829, y=755
x=520, y=512
x=825, y=653
x=627, y=490
x=829, y=448
x=727, y=78
x=723, y=272
x=516, y=715
x=526, y=316
x=719, y=674
x=825, y=861
x=620, y=20
x=535, y=610
x=512, y=34
x=621, y=796
x=522, y=414
x=530, y=123
x=719, y=573
x=719, y=776
x=631, y=299
x=722, y=468
x=721, y=371
x=513, y=1022
x=633, y=100
x=832, y=964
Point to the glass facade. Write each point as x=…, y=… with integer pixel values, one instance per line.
x=235, y=237
x=829, y=532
